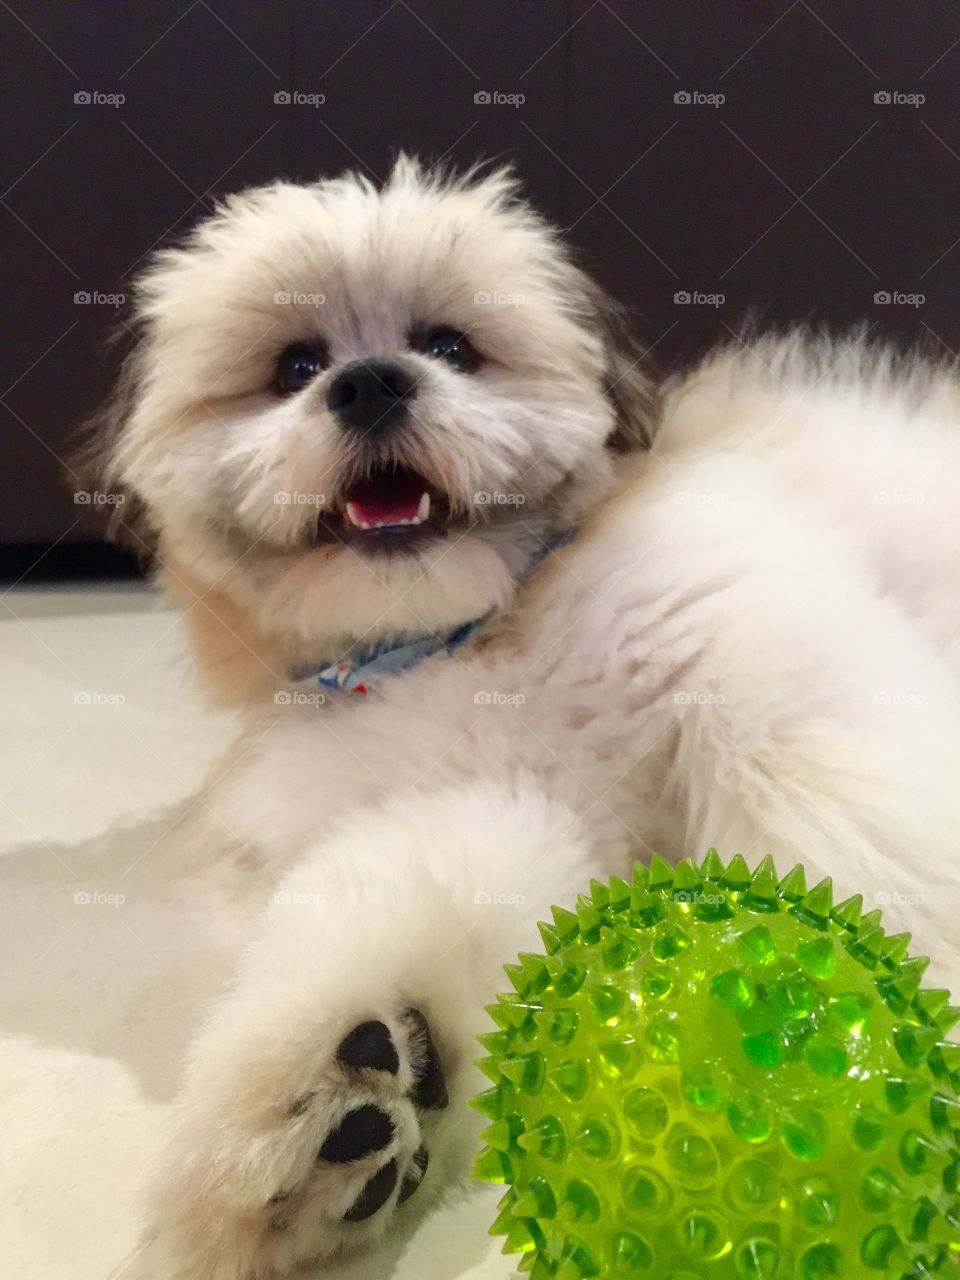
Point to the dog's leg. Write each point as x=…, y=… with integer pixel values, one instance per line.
x=325, y=1102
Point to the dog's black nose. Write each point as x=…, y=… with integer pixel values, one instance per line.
x=368, y=394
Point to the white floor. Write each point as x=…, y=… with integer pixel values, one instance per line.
x=108, y=962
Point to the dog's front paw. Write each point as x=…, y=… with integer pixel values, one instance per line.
x=268, y=1178
x=314, y=1116
x=367, y=1119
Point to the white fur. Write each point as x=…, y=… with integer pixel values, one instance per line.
x=753, y=642
x=753, y=645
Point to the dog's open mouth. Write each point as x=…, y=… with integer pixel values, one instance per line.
x=389, y=499
x=392, y=507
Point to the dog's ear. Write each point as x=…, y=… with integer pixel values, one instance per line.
x=628, y=379
x=92, y=467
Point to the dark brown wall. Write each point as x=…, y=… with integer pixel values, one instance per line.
x=797, y=197
x=800, y=197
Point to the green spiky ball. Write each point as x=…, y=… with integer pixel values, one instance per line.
x=715, y=1074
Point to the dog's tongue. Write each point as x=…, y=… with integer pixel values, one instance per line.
x=388, y=501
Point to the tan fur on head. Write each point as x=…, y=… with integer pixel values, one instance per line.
x=242, y=492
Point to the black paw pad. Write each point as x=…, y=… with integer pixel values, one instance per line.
x=414, y=1176
x=374, y=1195
x=361, y=1131
x=430, y=1089
x=369, y=1045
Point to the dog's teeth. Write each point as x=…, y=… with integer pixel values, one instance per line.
x=354, y=518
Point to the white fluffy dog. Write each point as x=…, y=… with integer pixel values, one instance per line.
x=394, y=441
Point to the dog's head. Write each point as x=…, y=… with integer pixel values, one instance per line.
x=356, y=412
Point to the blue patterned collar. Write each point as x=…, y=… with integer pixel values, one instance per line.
x=359, y=672
x=363, y=670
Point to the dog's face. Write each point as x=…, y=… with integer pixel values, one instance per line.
x=357, y=412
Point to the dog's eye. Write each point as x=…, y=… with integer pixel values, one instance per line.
x=296, y=367
x=450, y=346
